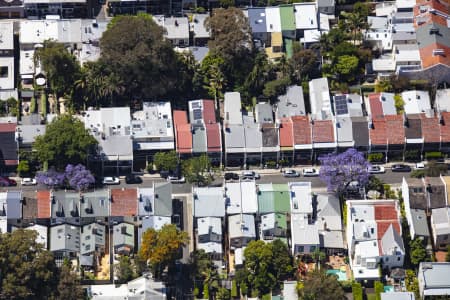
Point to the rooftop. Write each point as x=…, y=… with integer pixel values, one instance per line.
x=124, y=202
x=416, y=102
x=241, y=225
x=292, y=103
x=241, y=197
x=208, y=202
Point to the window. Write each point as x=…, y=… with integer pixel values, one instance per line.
x=3, y=72
x=386, y=259
x=300, y=249
x=445, y=237
x=312, y=248
x=398, y=258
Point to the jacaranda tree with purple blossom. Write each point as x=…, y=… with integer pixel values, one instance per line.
x=339, y=169
x=51, y=178
x=78, y=177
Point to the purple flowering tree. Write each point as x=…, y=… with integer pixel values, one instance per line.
x=51, y=178
x=78, y=177
x=338, y=170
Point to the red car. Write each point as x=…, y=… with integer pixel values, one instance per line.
x=5, y=181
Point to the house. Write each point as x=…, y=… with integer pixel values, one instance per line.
x=381, y=104
x=141, y=288
x=27, y=134
x=288, y=26
x=123, y=238
x=241, y=230
x=208, y=202
x=397, y=296
x=440, y=227
x=37, y=9
x=65, y=241
x=433, y=279
x=209, y=236
x=42, y=233
x=286, y=136
x=441, y=101
x=319, y=98
x=302, y=128
x=156, y=200
x=152, y=130
x=11, y=205
x=176, y=29
x=306, y=23
x=240, y=197
x=12, y=9
x=273, y=226
x=273, y=198
x=94, y=205
x=417, y=221
x=8, y=70
x=416, y=102
x=200, y=35
x=326, y=7
x=253, y=141
x=347, y=109
x=275, y=50
x=291, y=104
x=155, y=7
x=360, y=133
x=233, y=131
x=92, y=243
x=155, y=222
x=183, y=133
x=91, y=32
x=65, y=207
x=323, y=137
x=329, y=222
x=124, y=202
x=8, y=147
x=274, y=44
x=257, y=21
x=374, y=237
x=111, y=127
x=414, y=194
x=43, y=205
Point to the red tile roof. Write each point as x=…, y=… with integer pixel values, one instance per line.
x=323, y=131
x=445, y=128
x=385, y=212
x=432, y=18
x=431, y=130
x=8, y=127
x=286, y=133
x=184, y=138
x=382, y=226
x=179, y=117
x=376, y=108
x=124, y=202
x=43, y=204
x=429, y=59
x=395, y=130
x=213, y=137
x=302, y=130
x=209, y=112
x=378, y=134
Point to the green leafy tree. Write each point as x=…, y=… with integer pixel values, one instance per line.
x=223, y=294
x=303, y=62
x=383, y=86
x=60, y=67
x=124, y=269
x=434, y=169
x=258, y=261
x=166, y=160
x=197, y=170
x=28, y=272
x=356, y=22
x=379, y=288
x=275, y=88
x=65, y=141
x=160, y=248
x=33, y=105
x=346, y=67
x=357, y=291
x=43, y=105
x=282, y=261
x=320, y=286
x=418, y=252
x=23, y=168
x=375, y=184
x=261, y=73
x=138, y=58
x=447, y=255
x=399, y=103
x=69, y=287
x=412, y=283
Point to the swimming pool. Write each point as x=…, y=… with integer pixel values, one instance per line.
x=389, y=288
x=342, y=276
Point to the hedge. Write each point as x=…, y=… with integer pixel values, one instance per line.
x=375, y=157
x=433, y=155
x=379, y=288
x=357, y=291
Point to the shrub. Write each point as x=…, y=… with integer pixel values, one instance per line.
x=234, y=292
x=375, y=157
x=43, y=105
x=418, y=173
x=33, y=105
x=412, y=155
x=357, y=291
x=433, y=155
x=379, y=288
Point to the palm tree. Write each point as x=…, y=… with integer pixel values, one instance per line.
x=355, y=22
x=216, y=82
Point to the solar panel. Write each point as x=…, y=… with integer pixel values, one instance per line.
x=340, y=103
x=197, y=114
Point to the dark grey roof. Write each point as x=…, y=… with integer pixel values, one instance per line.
x=419, y=222
x=13, y=199
x=426, y=38
x=92, y=236
x=28, y=133
x=95, y=204
x=65, y=205
x=163, y=199
x=269, y=135
x=437, y=193
x=8, y=146
x=360, y=131
x=199, y=139
x=417, y=193
x=257, y=19
x=264, y=113
x=414, y=128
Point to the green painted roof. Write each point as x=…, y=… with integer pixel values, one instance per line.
x=287, y=17
x=281, y=220
x=275, y=200
x=288, y=44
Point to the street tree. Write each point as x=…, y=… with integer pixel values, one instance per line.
x=258, y=262
x=320, y=286
x=69, y=287
x=338, y=170
x=161, y=247
x=78, y=177
x=27, y=270
x=166, y=161
x=51, y=178
x=138, y=58
x=65, y=141
x=60, y=66
x=197, y=170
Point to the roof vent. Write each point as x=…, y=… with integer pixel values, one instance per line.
x=440, y=52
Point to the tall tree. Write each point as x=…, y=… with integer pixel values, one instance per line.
x=339, y=170
x=139, y=58
x=197, y=170
x=258, y=262
x=124, y=269
x=320, y=286
x=161, y=247
x=27, y=272
x=282, y=261
x=417, y=251
x=166, y=161
x=303, y=62
x=69, y=287
x=78, y=177
x=60, y=67
x=65, y=141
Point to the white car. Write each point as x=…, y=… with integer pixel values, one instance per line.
x=111, y=180
x=176, y=179
x=376, y=170
x=310, y=172
x=250, y=175
x=419, y=166
x=29, y=181
x=291, y=173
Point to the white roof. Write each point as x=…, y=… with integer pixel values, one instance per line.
x=241, y=197
x=302, y=232
x=108, y=120
x=176, y=27
x=383, y=64
x=440, y=221
x=52, y=1
x=208, y=202
x=3, y=225
x=405, y=4
x=7, y=35
x=416, y=102
x=203, y=225
x=324, y=20
x=442, y=103
x=241, y=225
x=367, y=249
x=239, y=256
x=211, y=247
x=311, y=36
x=232, y=108
x=305, y=15
x=319, y=96
x=198, y=27
x=301, y=198
x=27, y=62
x=7, y=82
x=407, y=53
x=38, y=31
x=378, y=23
x=137, y=289
x=273, y=19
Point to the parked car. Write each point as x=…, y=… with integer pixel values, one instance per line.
x=250, y=175
x=291, y=173
x=133, y=179
x=164, y=174
x=376, y=170
x=310, y=172
x=401, y=168
x=419, y=166
x=231, y=176
x=176, y=179
x=5, y=181
x=111, y=180
x=28, y=181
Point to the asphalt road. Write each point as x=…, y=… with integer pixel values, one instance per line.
x=389, y=178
